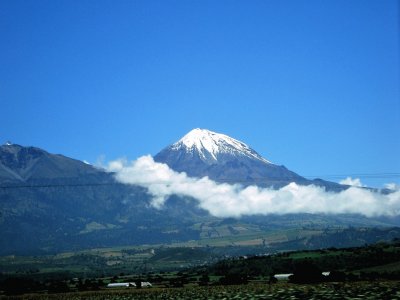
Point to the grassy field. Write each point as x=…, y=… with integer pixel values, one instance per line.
x=357, y=290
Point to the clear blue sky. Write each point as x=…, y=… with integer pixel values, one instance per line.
x=313, y=85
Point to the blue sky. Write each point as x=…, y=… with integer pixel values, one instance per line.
x=313, y=85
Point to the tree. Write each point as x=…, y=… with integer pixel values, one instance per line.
x=204, y=279
x=306, y=272
x=337, y=276
x=233, y=279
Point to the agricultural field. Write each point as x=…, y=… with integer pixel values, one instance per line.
x=357, y=290
x=219, y=241
x=178, y=271
x=369, y=271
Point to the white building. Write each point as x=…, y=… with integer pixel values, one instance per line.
x=121, y=284
x=143, y=284
x=283, y=276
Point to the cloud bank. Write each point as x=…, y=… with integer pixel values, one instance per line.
x=227, y=200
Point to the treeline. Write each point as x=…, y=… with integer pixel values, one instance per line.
x=24, y=285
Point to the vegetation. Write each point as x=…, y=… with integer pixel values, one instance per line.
x=352, y=290
x=356, y=263
x=377, y=266
x=103, y=262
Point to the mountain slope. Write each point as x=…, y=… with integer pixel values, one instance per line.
x=212, y=147
x=29, y=164
x=50, y=202
x=205, y=153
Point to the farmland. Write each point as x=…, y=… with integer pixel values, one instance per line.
x=243, y=241
x=368, y=272
x=354, y=290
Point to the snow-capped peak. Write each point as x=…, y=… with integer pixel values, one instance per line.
x=206, y=141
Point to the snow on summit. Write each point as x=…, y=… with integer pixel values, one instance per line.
x=212, y=143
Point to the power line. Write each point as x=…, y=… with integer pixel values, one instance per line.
x=56, y=185
x=220, y=180
x=357, y=175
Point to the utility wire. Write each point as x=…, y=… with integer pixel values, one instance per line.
x=260, y=180
x=56, y=185
x=359, y=175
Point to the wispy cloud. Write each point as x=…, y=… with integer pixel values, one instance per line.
x=225, y=200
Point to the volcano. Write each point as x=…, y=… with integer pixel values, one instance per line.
x=202, y=152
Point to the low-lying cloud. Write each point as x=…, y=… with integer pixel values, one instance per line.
x=227, y=200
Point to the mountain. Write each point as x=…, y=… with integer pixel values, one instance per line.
x=30, y=164
x=203, y=152
x=51, y=203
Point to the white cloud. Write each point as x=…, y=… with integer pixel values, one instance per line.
x=392, y=186
x=225, y=200
x=352, y=182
